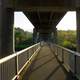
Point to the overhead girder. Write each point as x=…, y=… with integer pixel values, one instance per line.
x=42, y=5
x=46, y=5
x=38, y=17
x=57, y=18
x=33, y=17
x=44, y=20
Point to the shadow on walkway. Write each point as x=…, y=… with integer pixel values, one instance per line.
x=47, y=67
x=69, y=75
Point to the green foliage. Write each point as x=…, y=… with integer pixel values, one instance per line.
x=67, y=39
x=23, y=39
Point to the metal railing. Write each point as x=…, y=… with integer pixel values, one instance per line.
x=11, y=66
x=69, y=58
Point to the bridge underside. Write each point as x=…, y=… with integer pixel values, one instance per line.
x=44, y=15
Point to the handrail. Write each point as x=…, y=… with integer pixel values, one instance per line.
x=70, y=59
x=12, y=65
x=2, y=60
x=7, y=58
x=72, y=52
x=20, y=52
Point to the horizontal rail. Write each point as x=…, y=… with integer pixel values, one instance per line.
x=15, y=54
x=7, y=58
x=69, y=58
x=20, y=52
x=72, y=52
x=12, y=65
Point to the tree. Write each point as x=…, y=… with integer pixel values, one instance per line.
x=23, y=39
x=67, y=39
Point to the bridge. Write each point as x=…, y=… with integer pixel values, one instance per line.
x=45, y=60
x=42, y=61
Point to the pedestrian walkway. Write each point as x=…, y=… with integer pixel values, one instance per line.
x=47, y=67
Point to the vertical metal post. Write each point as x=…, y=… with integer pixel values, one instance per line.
x=16, y=66
x=57, y=51
x=75, y=64
x=28, y=55
x=62, y=56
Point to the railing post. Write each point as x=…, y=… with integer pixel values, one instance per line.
x=16, y=66
x=62, y=56
x=57, y=51
x=75, y=64
x=28, y=55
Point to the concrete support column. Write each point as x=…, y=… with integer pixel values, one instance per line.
x=40, y=36
x=35, y=35
x=52, y=37
x=55, y=35
x=6, y=31
x=78, y=30
x=78, y=44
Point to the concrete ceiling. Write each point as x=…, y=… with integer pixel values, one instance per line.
x=46, y=5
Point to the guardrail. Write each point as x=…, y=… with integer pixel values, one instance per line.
x=11, y=66
x=69, y=58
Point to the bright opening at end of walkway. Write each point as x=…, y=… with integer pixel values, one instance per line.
x=68, y=22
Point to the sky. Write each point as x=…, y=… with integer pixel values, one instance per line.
x=20, y=20
x=68, y=22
